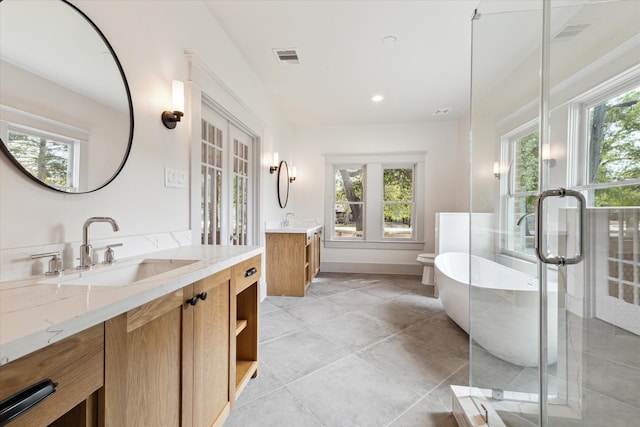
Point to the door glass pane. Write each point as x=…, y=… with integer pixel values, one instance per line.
x=499, y=280
x=211, y=194
x=598, y=329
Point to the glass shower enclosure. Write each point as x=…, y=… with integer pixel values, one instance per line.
x=555, y=160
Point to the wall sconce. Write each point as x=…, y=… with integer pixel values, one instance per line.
x=497, y=169
x=293, y=174
x=171, y=118
x=276, y=162
x=546, y=156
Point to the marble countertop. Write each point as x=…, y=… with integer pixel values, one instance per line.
x=34, y=315
x=301, y=228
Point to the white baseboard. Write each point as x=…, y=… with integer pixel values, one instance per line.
x=361, y=267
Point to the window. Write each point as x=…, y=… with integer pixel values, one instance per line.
x=608, y=120
x=376, y=202
x=613, y=135
x=349, y=202
x=398, y=202
x=50, y=158
x=519, y=196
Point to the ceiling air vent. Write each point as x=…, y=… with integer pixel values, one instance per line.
x=442, y=111
x=287, y=56
x=570, y=31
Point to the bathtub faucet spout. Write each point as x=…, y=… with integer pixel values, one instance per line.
x=522, y=218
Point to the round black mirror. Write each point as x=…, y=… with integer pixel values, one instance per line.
x=66, y=114
x=283, y=184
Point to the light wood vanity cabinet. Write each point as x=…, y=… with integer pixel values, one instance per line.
x=76, y=364
x=167, y=362
x=292, y=261
x=183, y=359
x=246, y=278
x=179, y=360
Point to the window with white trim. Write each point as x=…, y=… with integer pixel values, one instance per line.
x=520, y=152
x=610, y=123
x=375, y=202
x=608, y=172
x=50, y=158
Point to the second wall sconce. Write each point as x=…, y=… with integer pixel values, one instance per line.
x=546, y=156
x=497, y=169
x=171, y=118
x=276, y=162
x=293, y=174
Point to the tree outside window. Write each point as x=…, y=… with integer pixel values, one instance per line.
x=349, y=202
x=524, y=189
x=398, y=202
x=47, y=159
x=614, y=150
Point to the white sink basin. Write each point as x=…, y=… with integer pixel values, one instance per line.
x=120, y=274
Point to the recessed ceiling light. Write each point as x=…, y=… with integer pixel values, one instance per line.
x=377, y=98
x=389, y=40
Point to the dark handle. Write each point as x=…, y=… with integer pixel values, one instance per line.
x=14, y=406
x=250, y=272
x=193, y=301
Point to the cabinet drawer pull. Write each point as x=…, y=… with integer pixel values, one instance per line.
x=14, y=406
x=250, y=272
x=193, y=301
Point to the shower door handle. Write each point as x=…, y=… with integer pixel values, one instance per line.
x=559, y=260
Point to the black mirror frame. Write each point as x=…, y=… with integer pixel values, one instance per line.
x=283, y=166
x=17, y=164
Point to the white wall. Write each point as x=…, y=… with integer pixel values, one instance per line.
x=150, y=40
x=438, y=139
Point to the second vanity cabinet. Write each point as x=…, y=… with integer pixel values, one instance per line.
x=292, y=260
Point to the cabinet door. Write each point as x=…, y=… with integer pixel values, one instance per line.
x=211, y=335
x=143, y=364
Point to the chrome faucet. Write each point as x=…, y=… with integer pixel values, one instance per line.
x=86, y=258
x=285, y=221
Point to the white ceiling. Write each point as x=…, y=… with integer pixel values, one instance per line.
x=344, y=62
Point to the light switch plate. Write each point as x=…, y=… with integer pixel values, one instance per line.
x=175, y=178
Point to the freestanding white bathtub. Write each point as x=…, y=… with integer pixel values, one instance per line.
x=504, y=315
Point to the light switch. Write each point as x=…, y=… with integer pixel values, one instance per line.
x=175, y=178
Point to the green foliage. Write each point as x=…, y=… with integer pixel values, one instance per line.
x=398, y=189
x=356, y=178
x=620, y=150
x=528, y=171
x=43, y=158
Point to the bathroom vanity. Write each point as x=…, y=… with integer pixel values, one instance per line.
x=292, y=258
x=176, y=348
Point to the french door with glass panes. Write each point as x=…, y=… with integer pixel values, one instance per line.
x=225, y=181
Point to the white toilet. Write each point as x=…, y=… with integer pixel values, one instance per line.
x=427, y=272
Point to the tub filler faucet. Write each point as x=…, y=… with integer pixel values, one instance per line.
x=86, y=252
x=523, y=217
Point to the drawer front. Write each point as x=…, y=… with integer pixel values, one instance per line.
x=246, y=273
x=76, y=364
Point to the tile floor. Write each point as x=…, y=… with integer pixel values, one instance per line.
x=358, y=350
